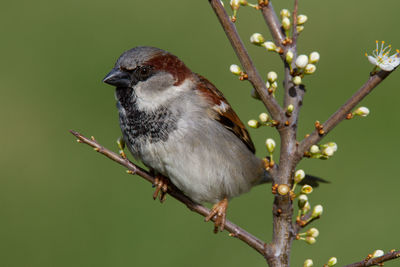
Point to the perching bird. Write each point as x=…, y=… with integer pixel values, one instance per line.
x=180, y=126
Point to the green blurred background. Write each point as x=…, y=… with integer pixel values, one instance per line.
x=62, y=204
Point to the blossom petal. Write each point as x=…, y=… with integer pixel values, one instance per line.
x=372, y=60
x=386, y=66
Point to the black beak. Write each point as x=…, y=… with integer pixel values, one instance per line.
x=118, y=78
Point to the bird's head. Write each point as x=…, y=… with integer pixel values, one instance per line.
x=154, y=74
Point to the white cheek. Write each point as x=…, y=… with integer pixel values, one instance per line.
x=148, y=99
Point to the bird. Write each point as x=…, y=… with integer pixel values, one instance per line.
x=180, y=125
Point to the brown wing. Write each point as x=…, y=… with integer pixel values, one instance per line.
x=224, y=112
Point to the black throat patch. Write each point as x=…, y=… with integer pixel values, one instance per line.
x=139, y=127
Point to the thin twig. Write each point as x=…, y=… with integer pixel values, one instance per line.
x=377, y=261
x=294, y=30
x=253, y=76
x=234, y=230
x=303, y=221
x=341, y=113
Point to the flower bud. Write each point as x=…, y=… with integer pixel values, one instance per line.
x=314, y=149
x=270, y=143
x=285, y=13
x=328, y=151
x=243, y=2
x=362, y=111
x=290, y=108
x=333, y=145
x=253, y=124
x=310, y=69
x=289, y=57
x=303, y=199
x=301, y=61
x=298, y=176
x=306, y=208
x=270, y=46
x=257, y=39
x=272, y=76
x=377, y=253
x=300, y=28
x=313, y=232
x=314, y=57
x=235, y=4
x=332, y=262
x=310, y=240
x=296, y=80
x=301, y=19
x=308, y=263
x=306, y=189
x=235, y=69
x=286, y=23
x=263, y=117
x=317, y=211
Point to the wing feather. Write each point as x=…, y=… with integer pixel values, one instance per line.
x=223, y=112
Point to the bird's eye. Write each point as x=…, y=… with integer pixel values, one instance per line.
x=143, y=73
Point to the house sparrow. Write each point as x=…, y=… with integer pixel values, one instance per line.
x=180, y=126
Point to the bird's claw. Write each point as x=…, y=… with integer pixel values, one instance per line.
x=161, y=185
x=218, y=210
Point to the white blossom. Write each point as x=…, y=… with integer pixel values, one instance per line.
x=235, y=69
x=270, y=144
x=377, y=253
x=272, y=76
x=299, y=175
x=317, y=211
x=310, y=69
x=308, y=263
x=362, y=111
x=302, y=61
x=296, y=80
x=253, y=123
x=257, y=39
x=285, y=13
x=332, y=261
x=314, y=57
x=380, y=57
x=301, y=19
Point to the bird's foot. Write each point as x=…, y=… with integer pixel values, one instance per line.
x=121, y=147
x=161, y=184
x=218, y=210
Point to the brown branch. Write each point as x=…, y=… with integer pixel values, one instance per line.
x=273, y=23
x=234, y=230
x=341, y=113
x=253, y=76
x=376, y=261
x=283, y=228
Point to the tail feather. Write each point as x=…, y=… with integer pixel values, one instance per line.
x=309, y=179
x=313, y=181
